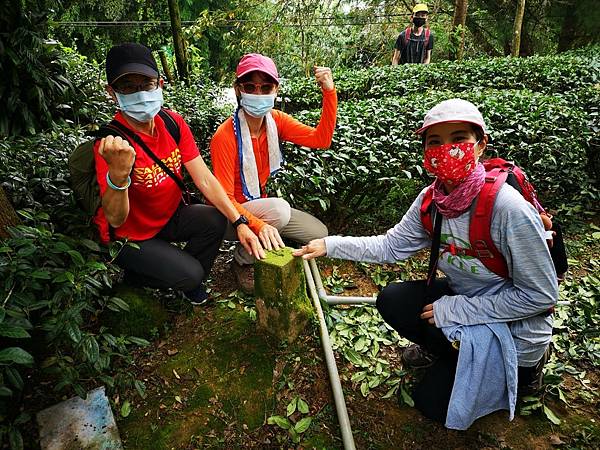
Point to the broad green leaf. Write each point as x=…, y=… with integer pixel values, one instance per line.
x=13, y=332
x=138, y=341
x=353, y=357
x=302, y=406
x=15, y=355
x=140, y=387
x=40, y=274
x=291, y=407
x=5, y=392
x=280, y=421
x=125, y=408
x=91, y=350
x=303, y=425
x=364, y=389
x=391, y=392
x=406, y=397
x=90, y=245
x=359, y=376
x=551, y=416
x=76, y=257
x=120, y=303
x=14, y=377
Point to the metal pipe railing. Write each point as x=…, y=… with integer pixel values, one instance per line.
x=334, y=377
x=336, y=299
x=351, y=300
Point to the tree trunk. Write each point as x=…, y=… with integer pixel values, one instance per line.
x=516, y=42
x=178, y=41
x=567, y=29
x=8, y=216
x=165, y=66
x=457, y=35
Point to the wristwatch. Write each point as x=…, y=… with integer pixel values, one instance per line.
x=241, y=220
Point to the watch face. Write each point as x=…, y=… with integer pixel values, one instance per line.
x=241, y=220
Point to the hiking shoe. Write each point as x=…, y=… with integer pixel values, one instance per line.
x=415, y=357
x=244, y=275
x=198, y=296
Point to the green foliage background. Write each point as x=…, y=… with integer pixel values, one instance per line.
x=55, y=281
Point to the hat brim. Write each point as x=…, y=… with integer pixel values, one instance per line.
x=238, y=76
x=135, y=68
x=420, y=130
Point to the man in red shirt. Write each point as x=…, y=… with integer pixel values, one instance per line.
x=141, y=202
x=245, y=152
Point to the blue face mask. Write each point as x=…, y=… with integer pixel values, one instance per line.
x=141, y=106
x=257, y=105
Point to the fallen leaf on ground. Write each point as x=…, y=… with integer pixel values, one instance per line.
x=172, y=352
x=176, y=374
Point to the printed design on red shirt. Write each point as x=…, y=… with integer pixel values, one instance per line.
x=153, y=175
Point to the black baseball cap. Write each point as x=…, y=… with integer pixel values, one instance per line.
x=130, y=58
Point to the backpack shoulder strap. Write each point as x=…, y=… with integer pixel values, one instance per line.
x=480, y=237
x=406, y=36
x=138, y=140
x=172, y=126
x=427, y=35
x=426, y=207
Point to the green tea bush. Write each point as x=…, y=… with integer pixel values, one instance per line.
x=53, y=285
x=546, y=74
x=375, y=152
x=202, y=107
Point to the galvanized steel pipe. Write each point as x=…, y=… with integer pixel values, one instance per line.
x=334, y=377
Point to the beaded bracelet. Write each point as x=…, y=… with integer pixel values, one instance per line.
x=114, y=186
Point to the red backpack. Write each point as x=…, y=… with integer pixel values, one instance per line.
x=407, y=38
x=498, y=171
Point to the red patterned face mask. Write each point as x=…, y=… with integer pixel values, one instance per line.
x=451, y=163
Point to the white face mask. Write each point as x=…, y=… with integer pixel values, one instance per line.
x=257, y=105
x=141, y=106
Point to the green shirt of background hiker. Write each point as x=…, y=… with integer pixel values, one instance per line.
x=415, y=43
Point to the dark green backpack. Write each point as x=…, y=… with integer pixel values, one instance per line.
x=82, y=165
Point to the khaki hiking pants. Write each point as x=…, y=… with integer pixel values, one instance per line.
x=291, y=223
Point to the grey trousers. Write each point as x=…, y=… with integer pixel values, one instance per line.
x=291, y=223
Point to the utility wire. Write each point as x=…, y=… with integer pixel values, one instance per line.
x=168, y=24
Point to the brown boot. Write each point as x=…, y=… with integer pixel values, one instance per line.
x=244, y=275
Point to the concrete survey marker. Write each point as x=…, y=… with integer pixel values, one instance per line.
x=78, y=424
x=283, y=308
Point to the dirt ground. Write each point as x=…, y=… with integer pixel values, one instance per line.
x=213, y=381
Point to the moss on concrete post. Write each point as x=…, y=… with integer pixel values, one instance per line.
x=281, y=302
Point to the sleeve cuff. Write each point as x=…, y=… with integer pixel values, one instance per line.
x=441, y=312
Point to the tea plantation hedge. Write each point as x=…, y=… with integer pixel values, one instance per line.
x=375, y=151
x=546, y=74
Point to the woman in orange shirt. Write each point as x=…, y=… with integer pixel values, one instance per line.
x=245, y=152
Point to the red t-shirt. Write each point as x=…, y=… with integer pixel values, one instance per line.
x=153, y=195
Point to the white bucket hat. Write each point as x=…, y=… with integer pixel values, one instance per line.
x=453, y=110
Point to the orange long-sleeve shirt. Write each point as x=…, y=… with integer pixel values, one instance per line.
x=224, y=153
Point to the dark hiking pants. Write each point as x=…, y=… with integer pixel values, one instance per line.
x=160, y=264
x=400, y=305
